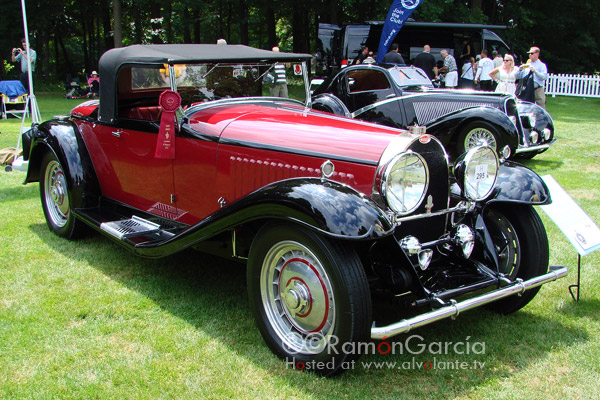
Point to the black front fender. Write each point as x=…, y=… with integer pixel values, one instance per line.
x=518, y=184
x=331, y=208
x=448, y=126
x=64, y=140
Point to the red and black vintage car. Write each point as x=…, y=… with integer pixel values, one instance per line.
x=186, y=148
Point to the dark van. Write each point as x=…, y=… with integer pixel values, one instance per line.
x=338, y=46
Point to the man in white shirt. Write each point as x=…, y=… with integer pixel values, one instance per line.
x=484, y=68
x=540, y=74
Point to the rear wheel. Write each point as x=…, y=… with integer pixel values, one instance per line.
x=521, y=243
x=56, y=199
x=309, y=297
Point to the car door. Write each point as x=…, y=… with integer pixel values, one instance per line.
x=366, y=87
x=130, y=173
x=368, y=90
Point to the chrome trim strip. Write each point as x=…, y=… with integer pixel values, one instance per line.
x=454, y=309
x=533, y=148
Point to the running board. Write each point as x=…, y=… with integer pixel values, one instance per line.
x=452, y=311
x=129, y=227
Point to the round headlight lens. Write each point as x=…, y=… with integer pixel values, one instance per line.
x=480, y=173
x=405, y=182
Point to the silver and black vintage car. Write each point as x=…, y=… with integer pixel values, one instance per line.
x=461, y=119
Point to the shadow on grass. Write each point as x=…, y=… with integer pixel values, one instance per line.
x=210, y=294
x=540, y=164
x=19, y=192
x=582, y=309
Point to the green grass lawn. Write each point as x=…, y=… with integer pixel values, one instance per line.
x=89, y=320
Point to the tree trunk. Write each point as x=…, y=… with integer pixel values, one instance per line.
x=117, y=24
x=156, y=26
x=243, y=18
x=167, y=24
x=271, y=32
x=300, y=29
x=187, y=36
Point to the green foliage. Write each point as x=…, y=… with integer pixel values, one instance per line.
x=71, y=35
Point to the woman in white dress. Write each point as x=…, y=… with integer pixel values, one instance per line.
x=506, y=75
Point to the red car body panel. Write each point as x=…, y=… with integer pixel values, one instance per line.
x=239, y=148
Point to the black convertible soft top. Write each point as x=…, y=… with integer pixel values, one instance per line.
x=159, y=54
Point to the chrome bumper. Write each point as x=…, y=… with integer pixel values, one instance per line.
x=534, y=148
x=454, y=309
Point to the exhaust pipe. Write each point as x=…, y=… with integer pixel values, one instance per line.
x=456, y=308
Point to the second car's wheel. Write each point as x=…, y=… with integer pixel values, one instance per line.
x=309, y=296
x=56, y=201
x=478, y=133
x=521, y=243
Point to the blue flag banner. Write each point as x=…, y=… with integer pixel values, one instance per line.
x=397, y=16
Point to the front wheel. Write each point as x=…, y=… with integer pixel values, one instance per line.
x=521, y=243
x=478, y=133
x=56, y=199
x=309, y=297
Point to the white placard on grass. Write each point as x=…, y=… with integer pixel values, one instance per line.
x=570, y=218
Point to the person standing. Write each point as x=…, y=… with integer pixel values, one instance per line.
x=279, y=88
x=468, y=74
x=540, y=74
x=506, y=75
x=392, y=56
x=483, y=72
x=426, y=61
x=498, y=60
x=364, y=53
x=450, y=69
x=23, y=56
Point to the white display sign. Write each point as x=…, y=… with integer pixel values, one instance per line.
x=574, y=223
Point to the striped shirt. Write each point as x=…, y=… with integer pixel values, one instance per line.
x=280, y=73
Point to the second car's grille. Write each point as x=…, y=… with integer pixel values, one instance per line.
x=428, y=111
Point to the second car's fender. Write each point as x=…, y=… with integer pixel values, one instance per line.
x=448, y=126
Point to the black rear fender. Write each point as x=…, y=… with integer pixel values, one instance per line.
x=64, y=140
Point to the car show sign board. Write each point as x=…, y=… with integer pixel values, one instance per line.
x=574, y=223
x=396, y=17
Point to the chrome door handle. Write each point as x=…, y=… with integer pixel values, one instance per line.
x=389, y=96
x=116, y=133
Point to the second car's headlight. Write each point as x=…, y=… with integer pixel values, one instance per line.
x=476, y=172
x=405, y=182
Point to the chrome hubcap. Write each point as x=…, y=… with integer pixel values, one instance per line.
x=480, y=137
x=57, y=199
x=297, y=297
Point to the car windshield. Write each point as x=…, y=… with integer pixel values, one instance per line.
x=410, y=77
x=199, y=83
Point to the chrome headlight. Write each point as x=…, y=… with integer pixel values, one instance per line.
x=547, y=133
x=476, y=172
x=405, y=182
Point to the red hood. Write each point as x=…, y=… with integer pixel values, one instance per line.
x=290, y=128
